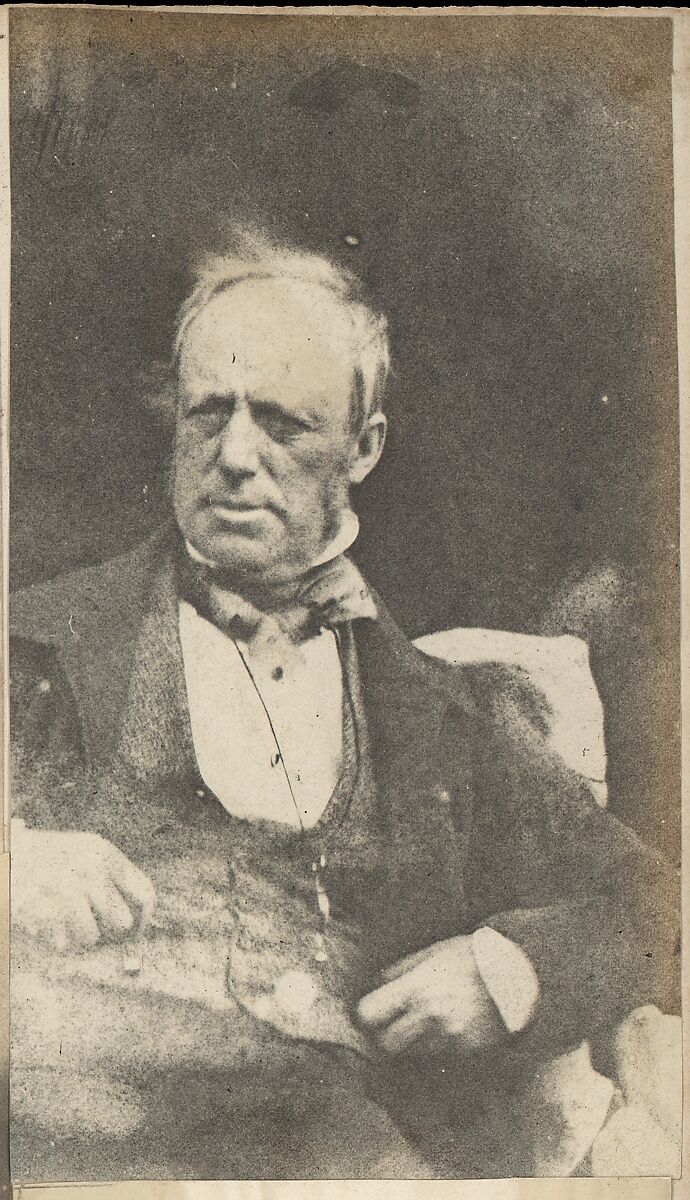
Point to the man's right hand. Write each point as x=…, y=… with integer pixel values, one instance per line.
x=72, y=890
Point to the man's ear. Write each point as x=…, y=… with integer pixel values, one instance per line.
x=368, y=448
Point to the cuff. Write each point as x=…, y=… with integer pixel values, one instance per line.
x=508, y=976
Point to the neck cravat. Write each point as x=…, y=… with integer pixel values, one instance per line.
x=326, y=596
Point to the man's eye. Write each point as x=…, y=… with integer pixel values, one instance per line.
x=282, y=427
x=209, y=406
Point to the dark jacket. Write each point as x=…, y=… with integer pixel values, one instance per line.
x=482, y=824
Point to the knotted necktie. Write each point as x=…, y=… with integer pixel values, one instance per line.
x=326, y=596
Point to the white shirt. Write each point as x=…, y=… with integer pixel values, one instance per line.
x=267, y=719
x=250, y=738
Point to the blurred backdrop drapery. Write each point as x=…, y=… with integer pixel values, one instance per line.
x=503, y=184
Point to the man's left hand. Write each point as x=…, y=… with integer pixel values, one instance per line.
x=433, y=999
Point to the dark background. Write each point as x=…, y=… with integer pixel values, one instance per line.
x=508, y=183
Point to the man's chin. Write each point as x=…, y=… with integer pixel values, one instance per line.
x=245, y=539
x=238, y=551
x=255, y=545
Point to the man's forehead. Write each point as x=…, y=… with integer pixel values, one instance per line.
x=273, y=346
x=285, y=319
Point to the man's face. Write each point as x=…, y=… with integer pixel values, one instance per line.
x=264, y=447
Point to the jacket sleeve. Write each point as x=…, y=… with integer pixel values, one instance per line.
x=592, y=907
x=45, y=736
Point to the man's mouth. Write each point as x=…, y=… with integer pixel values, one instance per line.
x=236, y=505
x=234, y=509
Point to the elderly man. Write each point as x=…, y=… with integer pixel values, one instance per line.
x=293, y=899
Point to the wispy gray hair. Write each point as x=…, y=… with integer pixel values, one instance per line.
x=253, y=256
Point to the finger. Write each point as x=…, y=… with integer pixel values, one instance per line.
x=59, y=937
x=407, y=964
x=135, y=887
x=385, y=1002
x=48, y=924
x=35, y=920
x=113, y=914
x=81, y=925
x=54, y=934
x=403, y=1032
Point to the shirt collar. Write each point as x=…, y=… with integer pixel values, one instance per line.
x=344, y=538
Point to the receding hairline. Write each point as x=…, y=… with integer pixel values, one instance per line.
x=288, y=283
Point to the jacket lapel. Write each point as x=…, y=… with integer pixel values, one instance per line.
x=413, y=703
x=422, y=730
x=154, y=737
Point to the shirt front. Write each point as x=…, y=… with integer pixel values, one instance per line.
x=267, y=714
x=267, y=726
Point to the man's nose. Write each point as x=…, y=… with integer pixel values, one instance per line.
x=238, y=453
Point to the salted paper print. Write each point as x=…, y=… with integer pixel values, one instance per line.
x=344, y=667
